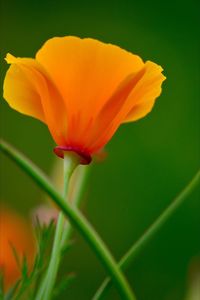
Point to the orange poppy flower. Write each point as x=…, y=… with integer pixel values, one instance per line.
x=82, y=89
x=14, y=232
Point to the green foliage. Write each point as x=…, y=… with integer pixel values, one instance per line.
x=1, y=286
x=63, y=285
x=27, y=286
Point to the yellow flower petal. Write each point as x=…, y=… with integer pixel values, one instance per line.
x=29, y=89
x=83, y=90
x=133, y=100
x=86, y=72
x=144, y=96
x=20, y=92
x=110, y=110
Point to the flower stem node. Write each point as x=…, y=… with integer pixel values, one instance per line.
x=84, y=157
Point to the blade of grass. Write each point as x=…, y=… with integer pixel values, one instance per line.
x=132, y=253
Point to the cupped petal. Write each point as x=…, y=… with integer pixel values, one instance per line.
x=111, y=109
x=86, y=72
x=146, y=93
x=133, y=99
x=29, y=90
x=20, y=92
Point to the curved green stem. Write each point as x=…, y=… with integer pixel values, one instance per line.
x=77, y=219
x=48, y=283
x=132, y=253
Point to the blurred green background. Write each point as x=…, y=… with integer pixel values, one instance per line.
x=148, y=162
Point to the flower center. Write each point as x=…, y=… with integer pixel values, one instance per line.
x=85, y=157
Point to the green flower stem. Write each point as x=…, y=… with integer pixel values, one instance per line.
x=45, y=291
x=132, y=253
x=76, y=218
x=76, y=197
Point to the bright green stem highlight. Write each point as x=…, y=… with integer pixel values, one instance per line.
x=77, y=219
x=45, y=292
x=132, y=253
